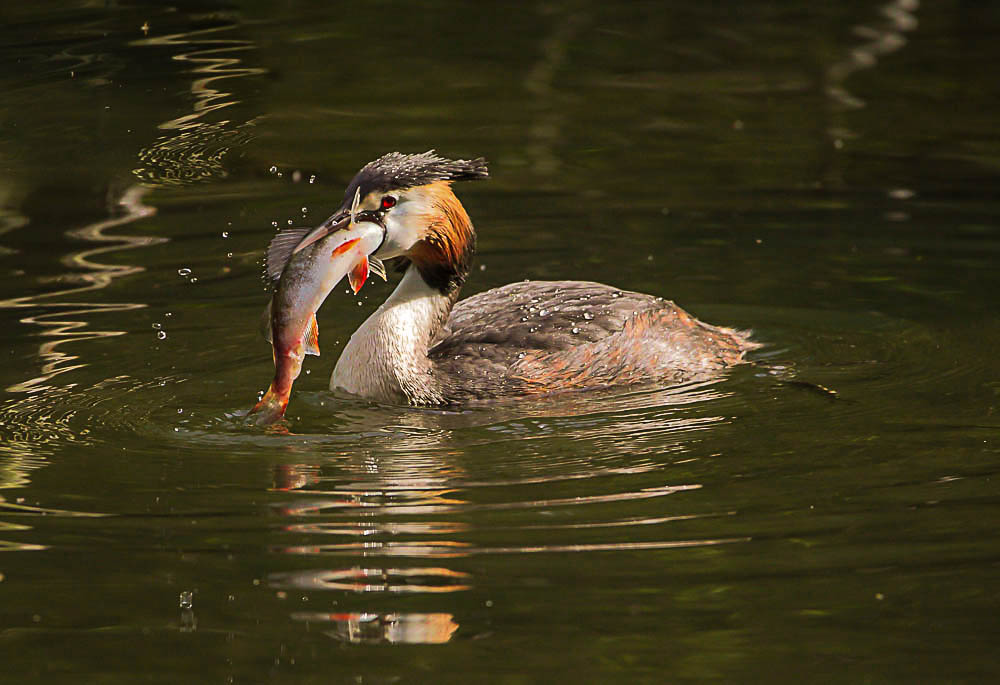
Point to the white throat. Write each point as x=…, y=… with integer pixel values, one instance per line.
x=386, y=358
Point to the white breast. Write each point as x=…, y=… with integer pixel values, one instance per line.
x=386, y=358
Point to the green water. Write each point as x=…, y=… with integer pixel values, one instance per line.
x=826, y=175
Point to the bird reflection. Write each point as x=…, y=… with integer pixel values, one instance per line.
x=401, y=510
x=350, y=501
x=394, y=628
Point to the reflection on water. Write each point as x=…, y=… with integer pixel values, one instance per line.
x=880, y=38
x=194, y=149
x=700, y=534
x=394, y=580
x=541, y=81
x=41, y=416
x=62, y=324
x=409, y=498
x=27, y=511
x=370, y=629
x=10, y=218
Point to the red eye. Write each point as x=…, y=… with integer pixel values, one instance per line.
x=388, y=201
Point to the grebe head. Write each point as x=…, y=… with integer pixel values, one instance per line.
x=410, y=198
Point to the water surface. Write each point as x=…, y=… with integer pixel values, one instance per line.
x=826, y=176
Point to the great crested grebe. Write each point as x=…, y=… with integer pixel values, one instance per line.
x=421, y=347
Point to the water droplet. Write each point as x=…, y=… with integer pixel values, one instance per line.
x=482, y=267
x=520, y=355
x=184, y=272
x=274, y=223
x=186, y=599
x=169, y=314
x=543, y=312
x=180, y=410
x=290, y=222
x=531, y=309
x=229, y=255
x=359, y=303
x=157, y=326
x=524, y=318
x=588, y=316
x=194, y=279
x=225, y=234
x=305, y=210
x=273, y=169
x=308, y=371
x=312, y=179
x=280, y=174
x=162, y=335
x=575, y=330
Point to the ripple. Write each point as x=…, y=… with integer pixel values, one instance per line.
x=445, y=549
x=195, y=149
x=405, y=503
x=41, y=423
x=357, y=579
x=367, y=528
x=64, y=322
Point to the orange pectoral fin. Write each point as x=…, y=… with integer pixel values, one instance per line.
x=358, y=275
x=312, y=337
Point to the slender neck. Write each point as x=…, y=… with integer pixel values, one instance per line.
x=386, y=358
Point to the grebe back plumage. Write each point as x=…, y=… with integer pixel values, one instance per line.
x=424, y=347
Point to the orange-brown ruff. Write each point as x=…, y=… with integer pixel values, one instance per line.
x=449, y=240
x=528, y=338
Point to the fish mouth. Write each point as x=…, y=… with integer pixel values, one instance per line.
x=344, y=219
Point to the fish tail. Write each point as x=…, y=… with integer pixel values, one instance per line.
x=271, y=406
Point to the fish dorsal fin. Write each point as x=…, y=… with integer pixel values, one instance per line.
x=280, y=250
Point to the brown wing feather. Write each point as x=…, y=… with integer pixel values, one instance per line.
x=551, y=336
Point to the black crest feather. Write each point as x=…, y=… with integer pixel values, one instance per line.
x=396, y=171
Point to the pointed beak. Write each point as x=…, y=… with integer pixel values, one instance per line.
x=337, y=222
x=347, y=246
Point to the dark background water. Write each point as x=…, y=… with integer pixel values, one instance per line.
x=825, y=173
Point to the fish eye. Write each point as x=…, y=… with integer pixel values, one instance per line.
x=388, y=202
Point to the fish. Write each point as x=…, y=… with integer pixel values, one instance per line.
x=306, y=264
